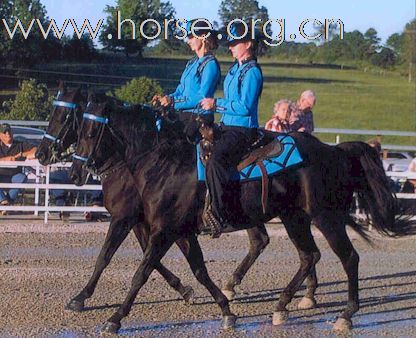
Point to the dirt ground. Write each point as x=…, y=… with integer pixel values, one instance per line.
x=42, y=267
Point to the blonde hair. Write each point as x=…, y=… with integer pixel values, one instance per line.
x=283, y=101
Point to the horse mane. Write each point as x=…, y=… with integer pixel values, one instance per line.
x=133, y=123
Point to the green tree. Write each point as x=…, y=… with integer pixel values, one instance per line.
x=372, y=40
x=409, y=49
x=18, y=50
x=395, y=42
x=5, y=10
x=244, y=10
x=138, y=12
x=138, y=91
x=75, y=49
x=384, y=59
x=32, y=102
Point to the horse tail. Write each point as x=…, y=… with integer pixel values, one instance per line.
x=370, y=181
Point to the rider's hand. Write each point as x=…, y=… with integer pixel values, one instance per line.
x=156, y=99
x=208, y=104
x=166, y=101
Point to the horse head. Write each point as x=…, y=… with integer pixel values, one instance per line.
x=63, y=126
x=89, y=147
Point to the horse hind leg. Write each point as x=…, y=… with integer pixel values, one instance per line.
x=259, y=239
x=333, y=228
x=308, y=301
x=298, y=228
x=142, y=234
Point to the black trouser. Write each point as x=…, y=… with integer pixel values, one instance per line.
x=225, y=157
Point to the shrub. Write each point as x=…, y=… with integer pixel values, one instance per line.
x=139, y=90
x=32, y=102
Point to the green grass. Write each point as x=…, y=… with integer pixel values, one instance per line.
x=347, y=99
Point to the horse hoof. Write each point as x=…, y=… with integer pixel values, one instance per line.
x=230, y=294
x=188, y=294
x=343, y=325
x=280, y=317
x=110, y=327
x=228, y=322
x=75, y=305
x=306, y=303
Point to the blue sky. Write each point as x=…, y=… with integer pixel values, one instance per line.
x=387, y=17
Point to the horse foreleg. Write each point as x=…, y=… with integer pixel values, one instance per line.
x=159, y=244
x=117, y=233
x=298, y=228
x=259, y=239
x=195, y=259
x=142, y=235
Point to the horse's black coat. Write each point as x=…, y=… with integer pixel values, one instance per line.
x=121, y=197
x=165, y=176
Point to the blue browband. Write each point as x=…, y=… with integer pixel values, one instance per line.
x=49, y=137
x=77, y=157
x=64, y=104
x=92, y=117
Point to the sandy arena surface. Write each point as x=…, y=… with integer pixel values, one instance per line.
x=42, y=267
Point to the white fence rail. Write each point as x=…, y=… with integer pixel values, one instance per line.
x=43, y=178
x=339, y=132
x=42, y=174
x=335, y=131
x=42, y=182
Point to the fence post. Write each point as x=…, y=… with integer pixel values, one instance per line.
x=37, y=189
x=47, y=195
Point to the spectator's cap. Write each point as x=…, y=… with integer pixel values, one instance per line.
x=5, y=127
x=198, y=27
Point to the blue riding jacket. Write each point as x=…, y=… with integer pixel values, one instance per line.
x=193, y=86
x=239, y=107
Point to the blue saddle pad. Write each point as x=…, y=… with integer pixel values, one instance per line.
x=290, y=156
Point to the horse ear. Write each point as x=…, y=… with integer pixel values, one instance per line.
x=91, y=97
x=61, y=87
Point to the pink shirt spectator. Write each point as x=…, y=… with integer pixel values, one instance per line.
x=280, y=120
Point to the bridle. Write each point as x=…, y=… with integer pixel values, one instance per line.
x=89, y=163
x=70, y=124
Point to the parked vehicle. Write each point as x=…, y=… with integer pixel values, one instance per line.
x=397, y=161
x=32, y=135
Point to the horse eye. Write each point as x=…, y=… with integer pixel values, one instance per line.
x=91, y=134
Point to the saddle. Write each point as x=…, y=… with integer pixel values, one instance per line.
x=265, y=146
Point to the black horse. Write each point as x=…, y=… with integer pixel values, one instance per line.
x=121, y=197
x=166, y=179
x=64, y=125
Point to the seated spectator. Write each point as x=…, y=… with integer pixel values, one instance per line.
x=301, y=117
x=280, y=120
x=62, y=197
x=60, y=176
x=376, y=144
x=12, y=150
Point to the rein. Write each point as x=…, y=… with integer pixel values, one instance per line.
x=55, y=141
x=89, y=163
